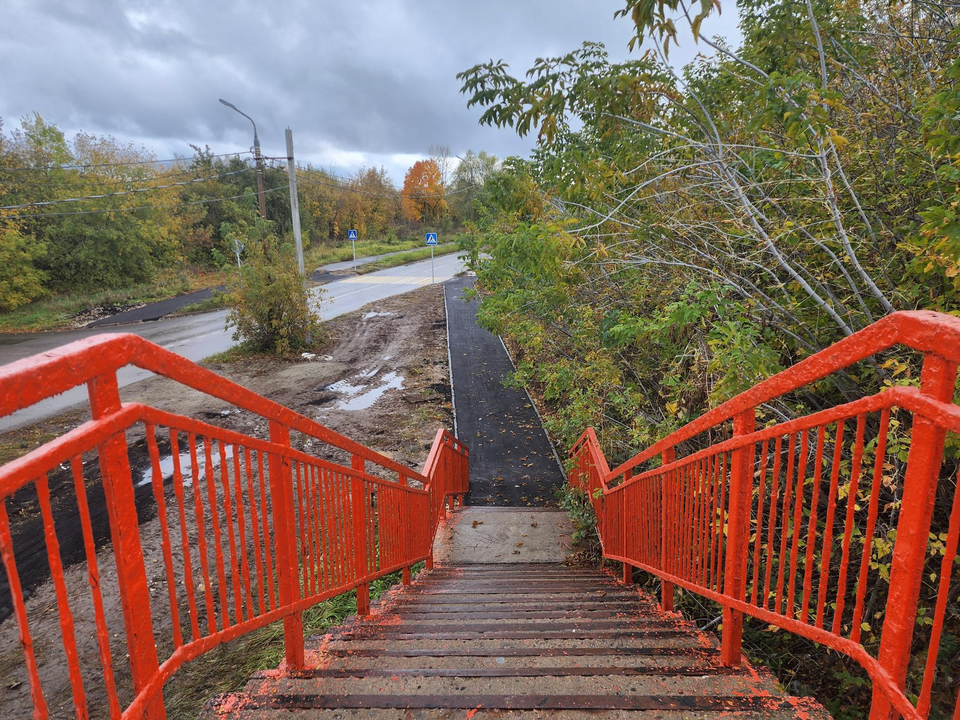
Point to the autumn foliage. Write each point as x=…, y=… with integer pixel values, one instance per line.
x=423, y=192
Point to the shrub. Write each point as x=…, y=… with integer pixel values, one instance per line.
x=20, y=280
x=272, y=309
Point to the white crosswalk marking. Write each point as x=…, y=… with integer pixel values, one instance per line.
x=387, y=280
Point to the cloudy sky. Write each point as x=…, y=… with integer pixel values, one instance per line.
x=361, y=82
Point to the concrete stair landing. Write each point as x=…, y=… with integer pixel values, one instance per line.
x=513, y=641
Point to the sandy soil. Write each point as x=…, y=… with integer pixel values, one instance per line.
x=382, y=379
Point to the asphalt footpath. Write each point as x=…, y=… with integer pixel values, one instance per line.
x=511, y=461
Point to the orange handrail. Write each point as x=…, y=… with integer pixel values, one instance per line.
x=781, y=523
x=252, y=530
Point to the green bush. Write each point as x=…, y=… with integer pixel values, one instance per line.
x=20, y=280
x=272, y=310
x=580, y=510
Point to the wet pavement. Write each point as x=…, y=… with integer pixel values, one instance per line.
x=511, y=460
x=198, y=336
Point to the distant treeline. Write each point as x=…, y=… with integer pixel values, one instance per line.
x=93, y=213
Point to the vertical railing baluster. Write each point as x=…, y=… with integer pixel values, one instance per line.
x=738, y=519
x=627, y=567
x=666, y=588
x=285, y=539
x=125, y=534
x=359, y=511
x=937, y=380
x=405, y=545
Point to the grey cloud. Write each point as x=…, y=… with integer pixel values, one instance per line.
x=374, y=77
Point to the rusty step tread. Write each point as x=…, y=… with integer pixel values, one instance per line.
x=423, y=615
x=518, y=635
x=526, y=565
x=507, y=672
x=519, y=589
x=536, y=575
x=483, y=579
x=520, y=652
x=624, y=623
x=306, y=701
x=538, y=601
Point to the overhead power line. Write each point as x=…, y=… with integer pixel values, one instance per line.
x=44, y=203
x=139, y=207
x=302, y=171
x=72, y=166
x=103, y=180
x=305, y=175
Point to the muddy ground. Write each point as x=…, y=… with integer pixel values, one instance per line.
x=381, y=379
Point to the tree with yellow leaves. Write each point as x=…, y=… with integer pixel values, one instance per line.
x=423, y=193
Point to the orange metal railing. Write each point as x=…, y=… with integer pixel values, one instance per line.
x=790, y=523
x=251, y=530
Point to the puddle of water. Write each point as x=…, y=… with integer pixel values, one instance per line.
x=186, y=469
x=374, y=313
x=345, y=387
x=390, y=381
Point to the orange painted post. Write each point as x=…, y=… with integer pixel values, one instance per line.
x=738, y=528
x=443, y=480
x=125, y=534
x=405, y=531
x=919, y=492
x=285, y=540
x=666, y=588
x=359, y=507
x=627, y=567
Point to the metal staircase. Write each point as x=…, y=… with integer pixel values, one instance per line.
x=775, y=520
x=511, y=640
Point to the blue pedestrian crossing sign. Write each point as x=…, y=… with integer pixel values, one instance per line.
x=431, y=238
x=351, y=234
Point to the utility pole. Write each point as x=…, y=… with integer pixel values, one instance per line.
x=256, y=153
x=295, y=211
x=260, y=194
x=294, y=200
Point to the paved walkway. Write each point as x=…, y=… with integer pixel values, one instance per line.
x=511, y=459
x=504, y=535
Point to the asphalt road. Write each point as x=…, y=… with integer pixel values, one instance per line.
x=198, y=336
x=156, y=310
x=347, y=264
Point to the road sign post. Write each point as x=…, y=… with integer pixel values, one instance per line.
x=432, y=241
x=352, y=237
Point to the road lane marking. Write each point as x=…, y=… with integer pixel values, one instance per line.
x=388, y=280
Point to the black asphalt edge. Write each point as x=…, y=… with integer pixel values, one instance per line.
x=161, y=308
x=553, y=445
x=155, y=310
x=453, y=392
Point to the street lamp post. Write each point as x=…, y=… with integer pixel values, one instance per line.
x=256, y=152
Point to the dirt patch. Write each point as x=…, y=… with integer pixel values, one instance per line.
x=385, y=385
